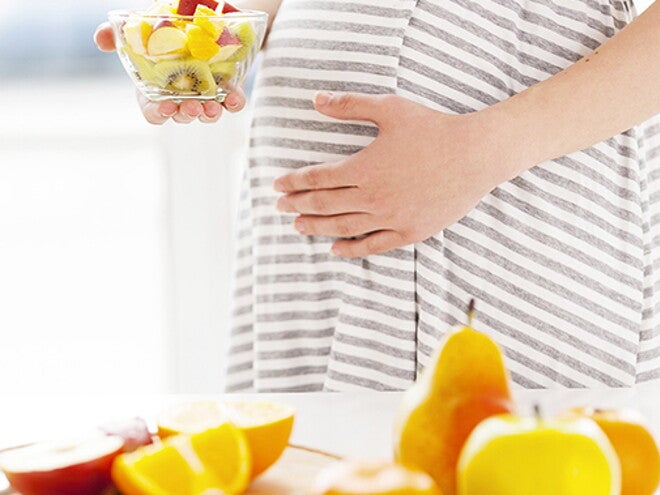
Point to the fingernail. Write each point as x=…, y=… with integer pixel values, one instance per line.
x=278, y=187
x=335, y=251
x=232, y=101
x=322, y=98
x=212, y=112
x=299, y=226
x=283, y=205
x=168, y=113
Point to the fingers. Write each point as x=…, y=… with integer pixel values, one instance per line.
x=313, y=177
x=235, y=101
x=376, y=243
x=104, y=38
x=189, y=110
x=212, y=112
x=156, y=113
x=350, y=225
x=354, y=106
x=324, y=202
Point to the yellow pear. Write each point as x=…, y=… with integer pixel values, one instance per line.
x=465, y=382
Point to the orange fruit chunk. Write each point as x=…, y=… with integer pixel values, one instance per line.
x=201, y=44
x=634, y=444
x=216, y=461
x=206, y=18
x=373, y=478
x=266, y=425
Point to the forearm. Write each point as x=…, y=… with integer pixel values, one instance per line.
x=610, y=90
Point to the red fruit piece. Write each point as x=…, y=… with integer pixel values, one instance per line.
x=187, y=7
x=163, y=23
x=134, y=432
x=76, y=467
x=228, y=8
x=228, y=38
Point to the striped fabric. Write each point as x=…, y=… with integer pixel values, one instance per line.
x=564, y=260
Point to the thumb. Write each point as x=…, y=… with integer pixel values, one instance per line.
x=351, y=106
x=104, y=38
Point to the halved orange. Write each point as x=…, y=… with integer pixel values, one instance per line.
x=216, y=461
x=267, y=425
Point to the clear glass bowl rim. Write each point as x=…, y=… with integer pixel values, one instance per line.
x=122, y=14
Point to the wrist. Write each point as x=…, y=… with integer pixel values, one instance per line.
x=508, y=138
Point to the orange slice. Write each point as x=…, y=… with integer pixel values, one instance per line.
x=201, y=44
x=207, y=19
x=267, y=425
x=214, y=462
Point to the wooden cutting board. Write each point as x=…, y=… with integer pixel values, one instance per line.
x=293, y=474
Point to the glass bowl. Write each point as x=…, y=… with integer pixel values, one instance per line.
x=174, y=57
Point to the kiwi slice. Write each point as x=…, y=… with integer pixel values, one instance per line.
x=223, y=71
x=244, y=32
x=185, y=76
x=144, y=68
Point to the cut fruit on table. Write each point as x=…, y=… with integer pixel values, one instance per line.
x=266, y=425
x=134, y=431
x=181, y=49
x=216, y=461
x=373, y=478
x=78, y=466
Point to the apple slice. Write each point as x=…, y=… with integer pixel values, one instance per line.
x=133, y=431
x=75, y=467
x=228, y=38
x=166, y=40
x=137, y=33
x=229, y=44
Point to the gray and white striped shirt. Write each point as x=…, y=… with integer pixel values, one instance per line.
x=564, y=260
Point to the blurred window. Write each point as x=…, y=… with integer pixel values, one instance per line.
x=45, y=38
x=83, y=266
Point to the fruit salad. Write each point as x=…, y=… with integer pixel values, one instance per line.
x=182, y=49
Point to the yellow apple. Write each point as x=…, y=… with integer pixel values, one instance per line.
x=512, y=455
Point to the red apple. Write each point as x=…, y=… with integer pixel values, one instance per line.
x=163, y=23
x=228, y=8
x=75, y=467
x=188, y=7
x=228, y=38
x=133, y=431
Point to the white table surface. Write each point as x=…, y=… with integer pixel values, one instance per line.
x=350, y=424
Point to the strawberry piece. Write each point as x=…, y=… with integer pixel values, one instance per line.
x=188, y=7
x=228, y=8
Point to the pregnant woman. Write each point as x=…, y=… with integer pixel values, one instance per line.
x=408, y=155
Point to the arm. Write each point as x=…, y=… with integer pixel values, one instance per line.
x=610, y=90
x=209, y=112
x=426, y=170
